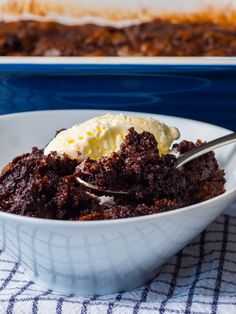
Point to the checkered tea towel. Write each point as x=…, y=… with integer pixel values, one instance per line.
x=199, y=279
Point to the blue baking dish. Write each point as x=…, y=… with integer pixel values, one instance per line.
x=197, y=88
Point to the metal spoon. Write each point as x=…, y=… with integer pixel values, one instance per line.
x=182, y=160
x=206, y=148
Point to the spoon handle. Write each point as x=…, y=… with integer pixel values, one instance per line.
x=206, y=148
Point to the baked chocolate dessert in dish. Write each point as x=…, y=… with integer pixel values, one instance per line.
x=108, y=153
x=160, y=37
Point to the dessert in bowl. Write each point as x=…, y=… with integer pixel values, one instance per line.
x=107, y=255
x=114, y=153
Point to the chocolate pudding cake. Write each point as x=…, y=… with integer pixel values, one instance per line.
x=160, y=37
x=46, y=186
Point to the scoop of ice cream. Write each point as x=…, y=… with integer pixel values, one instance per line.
x=103, y=135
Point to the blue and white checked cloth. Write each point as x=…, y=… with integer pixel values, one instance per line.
x=200, y=279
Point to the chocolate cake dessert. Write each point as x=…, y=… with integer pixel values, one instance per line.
x=46, y=186
x=159, y=37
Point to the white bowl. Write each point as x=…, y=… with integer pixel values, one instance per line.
x=101, y=257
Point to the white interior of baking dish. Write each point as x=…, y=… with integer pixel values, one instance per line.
x=115, y=12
